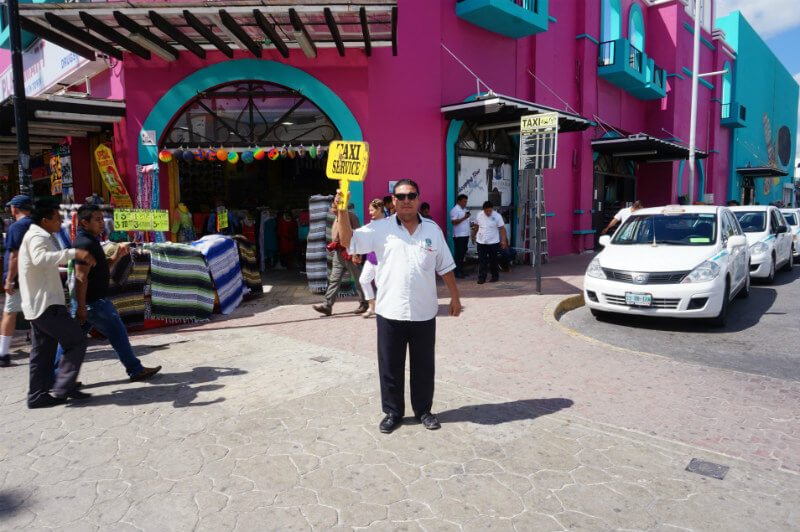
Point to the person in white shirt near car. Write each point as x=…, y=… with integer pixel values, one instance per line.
x=489, y=233
x=621, y=216
x=459, y=216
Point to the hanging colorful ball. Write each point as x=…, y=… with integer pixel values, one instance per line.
x=211, y=155
x=320, y=152
x=233, y=157
x=291, y=152
x=284, y=152
x=301, y=151
x=188, y=156
x=199, y=154
x=165, y=156
x=222, y=154
x=247, y=157
x=177, y=154
x=312, y=151
x=259, y=154
x=273, y=154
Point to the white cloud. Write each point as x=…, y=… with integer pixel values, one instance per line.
x=768, y=17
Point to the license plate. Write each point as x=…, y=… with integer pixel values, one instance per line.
x=638, y=300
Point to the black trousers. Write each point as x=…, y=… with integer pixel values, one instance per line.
x=487, y=260
x=394, y=337
x=460, y=244
x=55, y=326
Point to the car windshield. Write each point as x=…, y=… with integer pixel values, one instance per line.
x=752, y=221
x=791, y=219
x=687, y=229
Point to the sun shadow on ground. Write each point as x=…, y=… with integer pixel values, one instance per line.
x=10, y=503
x=497, y=413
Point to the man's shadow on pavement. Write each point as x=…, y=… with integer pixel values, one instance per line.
x=163, y=388
x=497, y=413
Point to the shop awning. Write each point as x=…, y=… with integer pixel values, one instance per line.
x=761, y=171
x=500, y=111
x=164, y=29
x=644, y=148
x=51, y=118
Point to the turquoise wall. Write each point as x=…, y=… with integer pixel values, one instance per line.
x=768, y=91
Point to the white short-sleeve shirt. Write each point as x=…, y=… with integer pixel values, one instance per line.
x=407, y=266
x=462, y=229
x=623, y=215
x=489, y=227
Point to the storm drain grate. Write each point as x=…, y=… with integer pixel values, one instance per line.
x=707, y=469
x=320, y=359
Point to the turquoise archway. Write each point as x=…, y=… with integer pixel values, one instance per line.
x=257, y=70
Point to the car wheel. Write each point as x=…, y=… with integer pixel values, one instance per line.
x=744, y=292
x=789, y=262
x=722, y=317
x=771, y=277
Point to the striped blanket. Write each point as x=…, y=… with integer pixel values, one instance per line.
x=181, y=286
x=316, y=254
x=248, y=260
x=222, y=257
x=126, y=289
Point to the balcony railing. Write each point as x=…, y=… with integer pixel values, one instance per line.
x=606, y=53
x=512, y=18
x=733, y=114
x=725, y=111
x=635, y=59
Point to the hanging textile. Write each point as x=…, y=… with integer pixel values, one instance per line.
x=181, y=286
x=147, y=197
x=222, y=258
x=316, y=253
x=127, y=287
x=248, y=261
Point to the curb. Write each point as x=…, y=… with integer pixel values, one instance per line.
x=568, y=304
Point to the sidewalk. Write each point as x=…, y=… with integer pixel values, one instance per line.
x=268, y=420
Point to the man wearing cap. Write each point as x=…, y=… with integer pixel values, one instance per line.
x=20, y=206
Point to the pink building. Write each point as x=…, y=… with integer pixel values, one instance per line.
x=394, y=74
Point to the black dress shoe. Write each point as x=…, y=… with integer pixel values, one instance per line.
x=429, y=421
x=5, y=361
x=323, y=309
x=481, y=281
x=77, y=395
x=46, y=401
x=362, y=308
x=389, y=423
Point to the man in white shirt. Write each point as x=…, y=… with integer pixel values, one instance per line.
x=411, y=251
x=44, y=305
x=459, y=216
x=489, y=232
x=622, y=215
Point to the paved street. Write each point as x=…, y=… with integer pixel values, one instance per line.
x=267, y=420
x=762, y=335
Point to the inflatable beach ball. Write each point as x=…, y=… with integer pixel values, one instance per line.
x=188, y=155
x=165, y=156
x=301, y=151
x=199, y=154
x=259, y=154
x=312, y=152
x=177, y=154
x=291, y=153
x=247, y=157
x=211, y=155
x=284, y=152
x=222, y=154
x=233, y=157
x=273, y=154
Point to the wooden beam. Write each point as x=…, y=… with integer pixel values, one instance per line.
x=82, y=35
x=134, y=27
x=236, y=29
x=394, y=30
x=297, y=24
x=56, y=38
x=207, y=33
x=111, y=34
x=362, y=14
x=168, y=29
x=334, y=29
x=271, y=33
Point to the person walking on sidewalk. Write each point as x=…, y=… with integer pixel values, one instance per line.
x=371, y=262
x=489, y=232
x=90, y=303
x=459, y=216
x=43, y=303
x=342, y=265
x=411, y=251
x=20, y=206
x=621, y=216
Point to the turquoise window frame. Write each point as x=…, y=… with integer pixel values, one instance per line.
x=323, y=97
x=727, y=84
x=610, y=20
x=636, y=32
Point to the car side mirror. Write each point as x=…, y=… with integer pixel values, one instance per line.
x=780, y=229
x=604, y=240
x=736, y=241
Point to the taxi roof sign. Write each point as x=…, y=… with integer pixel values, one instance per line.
x=347, y=160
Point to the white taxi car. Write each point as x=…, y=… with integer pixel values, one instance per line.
x=768, y=237
x=674, y=261
x=792, y=217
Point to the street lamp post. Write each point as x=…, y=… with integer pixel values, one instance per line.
x=695, y=79
x=20, y=104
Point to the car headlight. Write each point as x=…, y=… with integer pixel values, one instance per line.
x=594, y=270
x=707, y=271
x=759, y=248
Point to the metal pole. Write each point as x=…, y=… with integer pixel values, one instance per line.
x=20, y=105
x=537, y=255
x=698, y=6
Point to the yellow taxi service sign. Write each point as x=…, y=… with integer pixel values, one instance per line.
x=347, y=160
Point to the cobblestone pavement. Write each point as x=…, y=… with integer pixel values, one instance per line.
x=268, y=421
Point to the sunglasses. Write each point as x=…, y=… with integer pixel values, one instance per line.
x=409, y=196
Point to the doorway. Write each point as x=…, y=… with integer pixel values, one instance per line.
x=614, y=189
